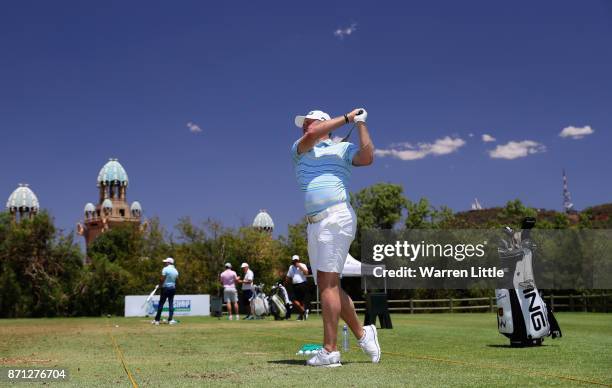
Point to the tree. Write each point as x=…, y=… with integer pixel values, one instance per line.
x=379, y=206
x=421, y=215
x=38, y=266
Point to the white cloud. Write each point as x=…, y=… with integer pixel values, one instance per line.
x=488, y=138
x=407, y=151
x=342, y=32
x=193, y=127
x=576, y=132
x=516, y=149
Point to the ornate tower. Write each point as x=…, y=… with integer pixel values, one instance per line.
x=263, y=222
x=567, y=199
x=112, y=208
x=22, y=203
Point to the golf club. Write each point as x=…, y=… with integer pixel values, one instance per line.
x=345, y=138
x=150, y=296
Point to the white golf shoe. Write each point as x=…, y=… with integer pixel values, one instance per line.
x=369, y=343
x=156, y=323
x=172, y=322
x=325, y=359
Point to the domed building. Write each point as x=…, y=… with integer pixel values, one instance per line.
x=263, y=222
x=22, y=203
x=112, y=208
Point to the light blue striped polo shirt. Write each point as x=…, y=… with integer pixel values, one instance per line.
x=323, y=173
x=171, y=274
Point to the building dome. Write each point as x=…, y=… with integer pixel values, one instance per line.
x=136, y=209
x=90, y=208
x=112, y=173
x=107, y=204
x=263, y=221
x=24, y=199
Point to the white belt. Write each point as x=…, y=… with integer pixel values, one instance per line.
x=320, y=216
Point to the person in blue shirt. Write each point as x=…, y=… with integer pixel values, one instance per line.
x=168, y=290
x=323, y=170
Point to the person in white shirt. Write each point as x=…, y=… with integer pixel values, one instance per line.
x=297, y=276
x=247, y=289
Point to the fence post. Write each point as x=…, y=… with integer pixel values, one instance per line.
x=584, y=301
x=411, y=306
x=490, y=304
x=450, y=304
x=605, y=303
x=571, y=302
x=552, y=303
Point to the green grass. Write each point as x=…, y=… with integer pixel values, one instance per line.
x=421, y=350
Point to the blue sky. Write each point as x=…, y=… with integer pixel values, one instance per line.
x=80, y=83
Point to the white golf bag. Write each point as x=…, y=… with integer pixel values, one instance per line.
x=259, y=302
x=280, y=304
x=522, y=314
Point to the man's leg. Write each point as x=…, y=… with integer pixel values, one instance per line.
x=349, y=315
x=171, y=304
x=298, y=306
x=329, y=286
x=160, y=306
x=236, y=310
x=228, y=306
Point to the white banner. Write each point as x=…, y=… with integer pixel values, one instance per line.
x=184, y=305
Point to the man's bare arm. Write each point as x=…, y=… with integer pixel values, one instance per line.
x=303, y=268
x=365, y=155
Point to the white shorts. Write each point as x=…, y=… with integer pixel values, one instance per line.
x=329, y=240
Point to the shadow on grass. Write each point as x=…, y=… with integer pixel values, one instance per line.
x=303, y=362
x=515, y=347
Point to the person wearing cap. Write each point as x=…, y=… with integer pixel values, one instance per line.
x=168, y=289
x=229, y=279
x=247, y=289
x=323, y=170
x=297, y=275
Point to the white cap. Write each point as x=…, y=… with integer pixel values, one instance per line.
x=169, y=260
x=228, y=265
x=244, y=265
x=295, y=258
x=313, y=114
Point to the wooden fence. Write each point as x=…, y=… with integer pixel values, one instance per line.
x=585, y=303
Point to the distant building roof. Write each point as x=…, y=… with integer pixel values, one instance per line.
x=23, y=197
x=263, y=220
x=112, y=173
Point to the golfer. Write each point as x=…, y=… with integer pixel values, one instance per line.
x=168, y=290
x=229, y=279
x=297, y=275
x=247, y=289
x=323, y=169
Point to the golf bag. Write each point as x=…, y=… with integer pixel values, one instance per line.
x=522, y=315
x=259, y=302
x=280, y=304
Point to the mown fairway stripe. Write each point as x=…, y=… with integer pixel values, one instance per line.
x=120, y=357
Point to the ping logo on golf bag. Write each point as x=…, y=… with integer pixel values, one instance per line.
x=536, y=314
